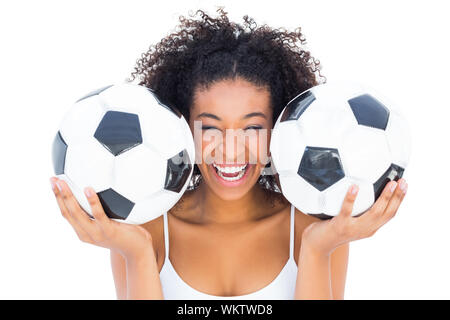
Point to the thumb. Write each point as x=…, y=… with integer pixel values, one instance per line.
x=349, y=200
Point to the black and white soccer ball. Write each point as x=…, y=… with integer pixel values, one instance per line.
x=332, y=136
x=136, y=152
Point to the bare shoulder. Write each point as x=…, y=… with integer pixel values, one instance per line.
x=156, y=226
x=301, y=220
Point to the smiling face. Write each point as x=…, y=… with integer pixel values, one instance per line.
x=232, y=139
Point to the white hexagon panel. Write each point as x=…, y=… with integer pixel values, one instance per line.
x=140, y=167
x=288, y=160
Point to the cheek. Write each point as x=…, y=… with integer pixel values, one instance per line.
x=205, y=147
x=198, y=142
x=258, y=147
x=252, y=145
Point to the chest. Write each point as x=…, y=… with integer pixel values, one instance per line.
x=228, y=261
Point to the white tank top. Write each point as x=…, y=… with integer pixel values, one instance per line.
x=281, y=288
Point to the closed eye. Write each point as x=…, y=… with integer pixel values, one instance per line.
x=253, y=128
x=209, y=128
x=247, y=128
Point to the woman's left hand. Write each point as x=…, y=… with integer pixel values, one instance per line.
x=325, y=236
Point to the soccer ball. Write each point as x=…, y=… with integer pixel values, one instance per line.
x=335, y=135
x=136, y=152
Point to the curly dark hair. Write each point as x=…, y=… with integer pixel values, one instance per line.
x=205, y=50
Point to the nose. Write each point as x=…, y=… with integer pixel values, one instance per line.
x=232, y=150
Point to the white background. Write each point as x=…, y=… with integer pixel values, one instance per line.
x=53, y=52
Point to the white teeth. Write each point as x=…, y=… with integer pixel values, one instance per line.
x=239, y=176
x=230, y=169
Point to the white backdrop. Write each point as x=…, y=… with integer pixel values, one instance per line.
x=52, y=52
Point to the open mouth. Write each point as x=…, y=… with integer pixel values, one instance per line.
x=231, y=173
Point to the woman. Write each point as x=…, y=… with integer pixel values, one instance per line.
x=232, y=234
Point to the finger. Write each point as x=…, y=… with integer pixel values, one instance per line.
x=392, y=206
x=82, y=235
x=370, y=217
x=395, y=201
x=380, y=205
x=60, y=201
x=349, y=201
x=99, y=214
x=77, y=213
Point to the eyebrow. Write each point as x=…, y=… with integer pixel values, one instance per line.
x=249, y=115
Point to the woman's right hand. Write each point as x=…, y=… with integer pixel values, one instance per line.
x=129, y=240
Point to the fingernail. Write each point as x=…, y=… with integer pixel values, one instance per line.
x=354, y=189
x=88, y=192
x=403, y=186
x=52, y=184
x=59, y=187
x=393, y=186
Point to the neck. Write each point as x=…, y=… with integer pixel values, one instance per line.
x=216, y=210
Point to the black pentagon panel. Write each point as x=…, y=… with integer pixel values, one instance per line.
x=115, y=205
x=296, y=107
x=93, y=93
x=59, y=150
x=321, y=216
x=369, y=111
x=168, y=106
x=321, y=167
x=119, y=131
x=394, y=172
x=178, y=170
